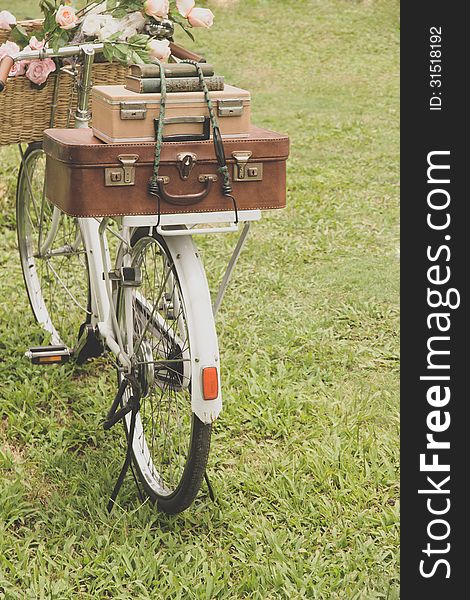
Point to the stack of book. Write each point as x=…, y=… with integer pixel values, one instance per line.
x=180, y=77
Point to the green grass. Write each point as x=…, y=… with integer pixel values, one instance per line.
x=305, y=456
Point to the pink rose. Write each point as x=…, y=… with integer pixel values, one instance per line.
x=35, y=44
x=22, y=66
x=7, y=19
x=158, y=9
x=66, y=17
x=159, y=49
x=185, y=7
x=201, y=17
x=38, y=70
x=9, y=49
x=18, y=68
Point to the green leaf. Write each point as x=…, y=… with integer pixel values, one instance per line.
x=59, y=38
x=121, y=52
x=122, y=47
x=182, y=22
x=20, y=35
x=132, y=5
x=139, y=39
x=135, y=58
x=54, y=42
x=186, y=30
x=177, y=18
x=49, y=24
x=114, y=37
x=40, y=34
x=111, y=4
x=119, y=12
x=47, y=6
x=108, y=52
x=144, y=55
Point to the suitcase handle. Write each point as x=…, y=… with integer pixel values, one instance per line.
x=188, y=199
x=182, y=137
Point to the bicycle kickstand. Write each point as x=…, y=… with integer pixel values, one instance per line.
x=114, y=416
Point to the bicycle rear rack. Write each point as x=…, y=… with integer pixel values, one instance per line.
x=202, y=223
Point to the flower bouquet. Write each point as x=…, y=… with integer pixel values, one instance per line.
x=132, y=31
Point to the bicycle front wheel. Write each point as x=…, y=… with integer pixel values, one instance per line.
x=52, y=255
x=171, y=445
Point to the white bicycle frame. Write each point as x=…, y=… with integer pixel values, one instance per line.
x=200, y=312
x=177, y=230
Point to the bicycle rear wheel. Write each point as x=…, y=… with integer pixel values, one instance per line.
x=52, y=255
x=171, y=445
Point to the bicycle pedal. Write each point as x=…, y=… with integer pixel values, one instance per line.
x=46, y=355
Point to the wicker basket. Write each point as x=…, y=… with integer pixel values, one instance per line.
x=27, y=111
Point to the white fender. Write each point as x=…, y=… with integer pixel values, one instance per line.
x=201, y=324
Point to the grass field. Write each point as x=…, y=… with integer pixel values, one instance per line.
x=304, y=459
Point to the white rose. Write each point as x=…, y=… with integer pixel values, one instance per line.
x=91, y=25
x=131, y=25
x=159, y=49
x=109, y=26
x=201, y=17
x=158, y=9
x=7, y=20
x=135, y=19
x=185, y=7
x=127, y=33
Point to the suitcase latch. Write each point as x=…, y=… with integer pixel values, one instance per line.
x=230, y=107
x=133, y=111
x=185, y=162
x=125, y=175
x=244, y=171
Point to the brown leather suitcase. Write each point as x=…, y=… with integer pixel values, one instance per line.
x=89, y=178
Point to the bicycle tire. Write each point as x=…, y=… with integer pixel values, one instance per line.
x=157, y=313
x=57, y=283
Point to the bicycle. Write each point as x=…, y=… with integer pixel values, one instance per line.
x=151, y=311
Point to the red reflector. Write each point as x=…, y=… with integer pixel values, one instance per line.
x=210, y=383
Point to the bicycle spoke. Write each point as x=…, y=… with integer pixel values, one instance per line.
x=162, y=358
x=66, y=289
x=56, y=281
x=148, y=322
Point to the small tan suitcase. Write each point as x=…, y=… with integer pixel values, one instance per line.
x=88, y=178
x=121, y=116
